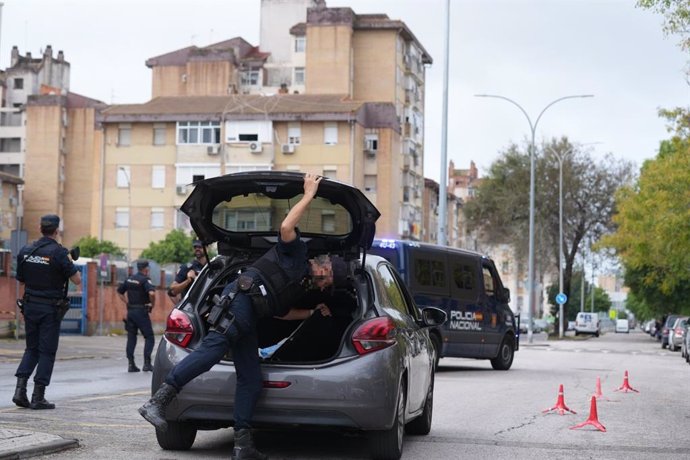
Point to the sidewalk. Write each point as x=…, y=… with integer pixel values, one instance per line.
x=17, y=444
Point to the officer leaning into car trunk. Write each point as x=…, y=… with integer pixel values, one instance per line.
x=268, y=288
x=140, y=300
x=44, y=268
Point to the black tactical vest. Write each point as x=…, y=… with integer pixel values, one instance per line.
x=42, y=274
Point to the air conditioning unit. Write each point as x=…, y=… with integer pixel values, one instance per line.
x=255, y=147
x=288, y=148
x=181, y=189
x=370, y=152
x=213, y=149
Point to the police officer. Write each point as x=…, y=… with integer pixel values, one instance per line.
x=188, y=272
x=140, y=300
x=279, y=273
x=44, y=268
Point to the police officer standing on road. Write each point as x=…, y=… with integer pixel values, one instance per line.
x=44, y=268
x=140, y=300
x=268, y=288
x=188, y=272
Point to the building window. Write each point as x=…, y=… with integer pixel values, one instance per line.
x=18, y=83
x=299, y=75
x=249, y=78
x=123, y=176
x=157, y=217
x=328, y=222
x=158, y=177
x=370, y=183
x=294, y=133
x=300, y=44
x=330, y=133
x=159, y=135
x=371, y=142
x=122, y=218
x=188, y=173
x=124, y=136
x=330, y=171
x=198, y=132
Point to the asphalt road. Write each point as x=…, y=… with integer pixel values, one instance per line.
x=478, y=412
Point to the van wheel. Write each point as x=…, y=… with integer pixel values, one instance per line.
x=178, y=436
x=506, y=353
x=388, y=444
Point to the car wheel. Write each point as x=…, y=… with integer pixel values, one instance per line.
x=422, y=425
x=178, y=436
x=663, y=345
x=596, y=334
x=388, y=444
x=436, y=342
x=506, y=353
x=671, y=347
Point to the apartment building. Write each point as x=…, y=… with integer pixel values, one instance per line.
x=430, y=208
x=153, y=151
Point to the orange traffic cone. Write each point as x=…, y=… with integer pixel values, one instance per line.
x=597, y=392
x=593, y=418
x=626, y=385
x=560, y=404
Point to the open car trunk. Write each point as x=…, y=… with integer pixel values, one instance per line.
x=315, y=339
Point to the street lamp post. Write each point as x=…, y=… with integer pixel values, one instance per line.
x=129, y=219
x=530, y=257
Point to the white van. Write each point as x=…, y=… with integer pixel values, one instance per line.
x=587, y=323
x=622, y=325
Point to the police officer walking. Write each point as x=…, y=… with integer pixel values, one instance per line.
x=188, y=272
x=140, y=300
x=44, y=268
x=278, y=274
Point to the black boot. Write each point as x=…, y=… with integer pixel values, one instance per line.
x=132, y=367
x=154, y=410
x=38, y=400
x=244, y=447
x=20, y=398
x=147, y=365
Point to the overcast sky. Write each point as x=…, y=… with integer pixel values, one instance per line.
x=532, y=51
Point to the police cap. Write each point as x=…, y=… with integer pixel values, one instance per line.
x=197, y=244
x=50, y=220
x=142, y=264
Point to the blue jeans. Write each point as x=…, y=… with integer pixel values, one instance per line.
x=241, y=336
x=42, y=337
x=138, y=319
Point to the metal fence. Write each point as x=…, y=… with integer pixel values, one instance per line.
x=74, y=321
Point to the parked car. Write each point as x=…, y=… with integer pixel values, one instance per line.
x=587, y=323
x=666, y=328
x=369, y=367
x=685, y=346
x=623, y=326
x=676, y=333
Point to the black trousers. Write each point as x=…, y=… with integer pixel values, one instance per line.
x=42, y=337
x=138, y=320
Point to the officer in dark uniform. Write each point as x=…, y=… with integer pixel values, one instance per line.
x=140, y=300
x=44, y=268
x=188, y=272
x=268, y=288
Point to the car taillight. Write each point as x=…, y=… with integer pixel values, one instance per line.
x=178, y=328
x=374, y=334
x=679, y=331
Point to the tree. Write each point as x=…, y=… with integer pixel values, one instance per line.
x=176, y=247
x=602, y=301
x=676, y=17
x=500, y=210
x=653, y=237
x=90, y=246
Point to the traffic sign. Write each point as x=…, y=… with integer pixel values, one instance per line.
x=561, y=298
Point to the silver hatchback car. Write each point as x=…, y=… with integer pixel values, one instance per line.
x=369, y=367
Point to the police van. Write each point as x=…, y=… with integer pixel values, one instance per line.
x=466, y=285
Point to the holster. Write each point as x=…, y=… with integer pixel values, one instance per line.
x=62, y=307
x=220, y=317
x=20, y=304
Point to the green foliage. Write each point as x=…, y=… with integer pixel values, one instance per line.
x=176, y=247
x=676, y=15
x=89, y=246
x=602, y=301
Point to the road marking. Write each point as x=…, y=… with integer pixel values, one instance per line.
x=101, y=398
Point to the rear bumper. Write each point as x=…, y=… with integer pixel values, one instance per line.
x=357, y=393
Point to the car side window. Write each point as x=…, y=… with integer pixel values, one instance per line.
x=489, y=282
x=392, y=294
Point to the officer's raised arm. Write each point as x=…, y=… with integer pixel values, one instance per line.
x=287, y=227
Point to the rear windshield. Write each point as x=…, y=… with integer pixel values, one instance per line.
x=258, y=213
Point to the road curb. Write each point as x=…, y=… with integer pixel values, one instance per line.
x=19, y=444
